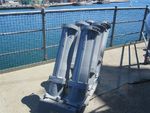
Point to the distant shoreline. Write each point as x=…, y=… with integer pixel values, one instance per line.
x=36, y=6
x=18, y=7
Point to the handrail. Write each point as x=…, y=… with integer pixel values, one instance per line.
x=20, y=32
x=93, y=9
x=68, y=10
x=20, y=13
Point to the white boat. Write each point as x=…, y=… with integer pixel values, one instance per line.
x=78, y=3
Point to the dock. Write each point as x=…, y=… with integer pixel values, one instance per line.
x=122, y=89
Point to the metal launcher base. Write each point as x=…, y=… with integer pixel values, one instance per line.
x=51, y=106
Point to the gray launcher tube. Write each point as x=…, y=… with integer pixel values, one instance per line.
x=93, y=81
x=80, y=24
x=100, y=46
x=57, y=80
x=78, y=84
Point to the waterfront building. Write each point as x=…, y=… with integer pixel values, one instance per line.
x=2, y=1
x=31, y=1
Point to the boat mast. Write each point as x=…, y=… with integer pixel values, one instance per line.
x=130, y=3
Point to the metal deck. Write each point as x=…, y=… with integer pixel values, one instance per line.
x=20, y=89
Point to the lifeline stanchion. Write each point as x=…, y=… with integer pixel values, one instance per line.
x=136, y=54
x=122, y=55
x=147, y=55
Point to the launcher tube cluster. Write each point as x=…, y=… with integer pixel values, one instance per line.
x=77, y=67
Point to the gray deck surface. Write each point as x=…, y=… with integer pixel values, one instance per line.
x=20, y=90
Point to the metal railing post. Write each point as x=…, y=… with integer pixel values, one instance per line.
x=44, y=33
x=143, y=23
x=113, y=26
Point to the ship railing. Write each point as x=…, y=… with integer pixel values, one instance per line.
x=46, y=24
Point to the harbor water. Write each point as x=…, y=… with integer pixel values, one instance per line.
x=33, y=40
